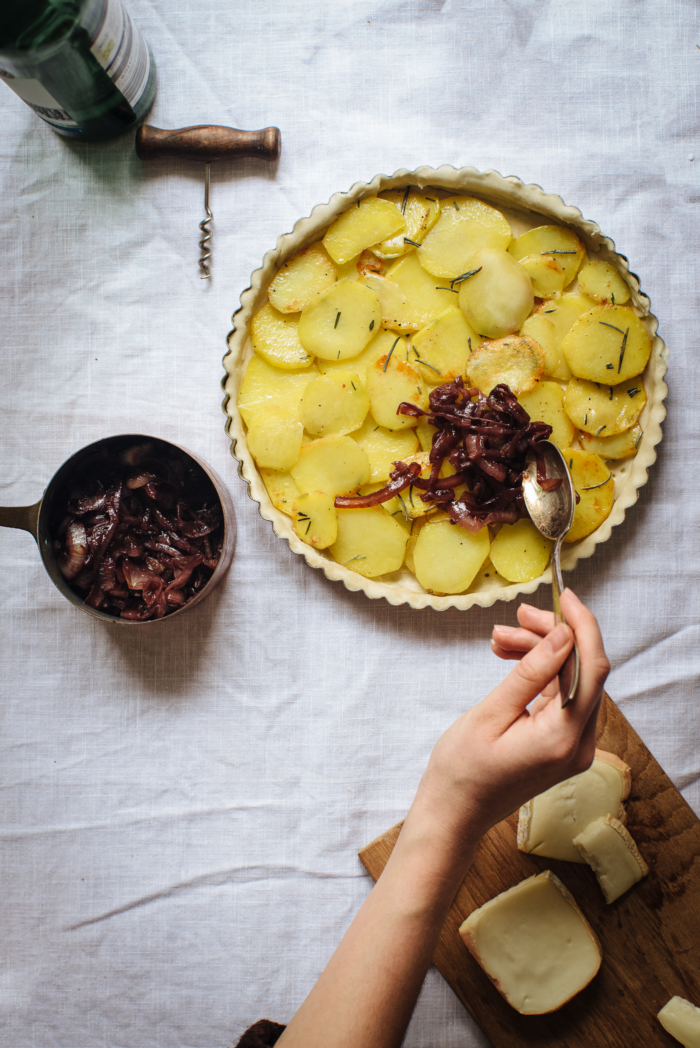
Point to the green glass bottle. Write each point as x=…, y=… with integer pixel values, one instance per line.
x=82, y=65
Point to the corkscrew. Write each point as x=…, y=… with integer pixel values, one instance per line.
x=207, y=143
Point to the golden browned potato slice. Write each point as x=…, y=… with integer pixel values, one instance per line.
x=440, y=351
x=301, y=278
x=281, y=488
x=366, y=223
x=517, y=360
x=602, y=282
x=426, y=295
x=616, y=447
x=595, y=485
x=519, y=552
x=601, y=410
x=332, y=464
x=446, y=557
x=315, y=519
x=334, y=404
x=264, y=385
x=274, y=437
x=608, y=344
x=384, y=447
x=390, y=382
x=495, y=294
x=397, y=312
x=551, y=242
x=420, y=214
x=338, y=323
x=465, y=225
x=544, y=403
x=377, y=347
x=369, y=541
x=276, y=338
x=546, y=273
x=416, y=526
x=564, y=311
x=540, y=327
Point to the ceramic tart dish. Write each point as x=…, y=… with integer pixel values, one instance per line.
x=525, y=207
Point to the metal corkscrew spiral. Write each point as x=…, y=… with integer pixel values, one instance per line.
x=204, y=225
x=207, y=143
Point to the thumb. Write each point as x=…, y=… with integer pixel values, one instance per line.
x=530, y=676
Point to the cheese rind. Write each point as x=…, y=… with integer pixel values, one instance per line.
x=534, y=944
x=610, y=851
x=681, y=1019
x=549, y=822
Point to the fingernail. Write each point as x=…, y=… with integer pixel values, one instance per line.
x=571, y=593
x=508, y=629
x=558, y=638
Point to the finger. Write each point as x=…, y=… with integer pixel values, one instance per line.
x=530, y=676
x=515, y=640
x=535, y=619
x=594, y=665
x=505, y=653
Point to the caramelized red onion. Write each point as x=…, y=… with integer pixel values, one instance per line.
x=486, y=440
x=400, y=479
x=131, y=542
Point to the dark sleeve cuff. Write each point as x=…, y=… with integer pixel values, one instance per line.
x=263, y=1034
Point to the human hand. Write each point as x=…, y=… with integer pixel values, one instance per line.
x=501, y=753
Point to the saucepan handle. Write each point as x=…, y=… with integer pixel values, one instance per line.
x=26, y=518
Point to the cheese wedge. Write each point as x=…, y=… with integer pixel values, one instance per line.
x=549, y=822
x=609, y=849
x=534, y=944
x=681, y=1019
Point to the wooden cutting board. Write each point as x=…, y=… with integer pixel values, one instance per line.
x=650, y=937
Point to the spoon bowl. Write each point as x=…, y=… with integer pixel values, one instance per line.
x=552, y=512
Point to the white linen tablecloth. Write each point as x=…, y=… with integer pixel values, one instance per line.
x=181, y=807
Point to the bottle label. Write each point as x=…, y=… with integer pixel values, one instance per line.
x=36, y=96
x=121, y=50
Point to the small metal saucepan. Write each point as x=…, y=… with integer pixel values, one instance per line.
x=202, y=484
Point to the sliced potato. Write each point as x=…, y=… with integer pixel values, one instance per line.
x=338, y=323
x=540, y=327
x=397, y=313
x=334, y=404
x=601, y=410
x=315, y=519
x=447, y=557
x=367, y=223
x=544, y=403
x=519, y=552
x=465, y=225
x=369, y=541
x=425, y=432
x=497, y=295
x=416, y=526
x=602, y=282
x=274, y=437
x=595, y=486
x=551, y=242
x=384, y=447
x=390, y=381
x=301, y=278
x=420, y=214
x=607, y=344
x=335, y=465
x=546, y=273
x=377, y=347
x=264, y=385
x=616, y=447
x=281, y=488
x=276, y=338
x=517, y=361
x=440, y=351
x=426, y=296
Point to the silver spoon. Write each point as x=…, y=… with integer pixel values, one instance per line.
x=552, y=513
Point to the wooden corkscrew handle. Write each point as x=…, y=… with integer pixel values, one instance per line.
x=207, y=143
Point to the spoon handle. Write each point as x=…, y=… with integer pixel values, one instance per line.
x=568, y=674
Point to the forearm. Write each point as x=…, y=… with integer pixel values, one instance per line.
x=366, y=994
